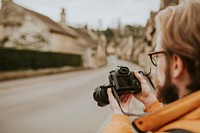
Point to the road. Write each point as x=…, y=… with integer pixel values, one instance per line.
x=60, y=103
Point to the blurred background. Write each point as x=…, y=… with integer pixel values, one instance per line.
x=53, y=54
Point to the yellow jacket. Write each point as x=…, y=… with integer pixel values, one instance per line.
x=181, y=114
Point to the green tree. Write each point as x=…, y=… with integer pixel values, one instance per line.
x=109, y=34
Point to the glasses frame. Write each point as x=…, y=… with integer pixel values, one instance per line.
x=151, y=55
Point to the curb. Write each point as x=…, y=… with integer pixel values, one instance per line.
x=33, y=73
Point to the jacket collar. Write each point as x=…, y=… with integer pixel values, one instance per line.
x=169, y=113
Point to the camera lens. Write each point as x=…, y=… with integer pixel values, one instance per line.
x=100, y=95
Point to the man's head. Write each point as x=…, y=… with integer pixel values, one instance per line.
x=178, y=64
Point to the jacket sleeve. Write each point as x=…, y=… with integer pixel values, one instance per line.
x=154, y=106
x=121, y=123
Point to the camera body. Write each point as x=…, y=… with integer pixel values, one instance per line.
x=122, y=80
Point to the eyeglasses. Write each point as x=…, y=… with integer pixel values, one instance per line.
x=154, y=57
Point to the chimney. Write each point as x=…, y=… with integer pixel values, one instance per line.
x=63, y=17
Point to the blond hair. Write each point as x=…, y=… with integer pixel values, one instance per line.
x=180, y=29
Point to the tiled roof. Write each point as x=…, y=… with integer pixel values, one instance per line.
x=84, y=33
x=14, y=9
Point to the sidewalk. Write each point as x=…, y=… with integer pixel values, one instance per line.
x=31, y=73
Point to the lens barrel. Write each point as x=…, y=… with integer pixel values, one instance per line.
x=100, y=96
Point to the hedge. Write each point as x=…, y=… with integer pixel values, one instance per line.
x=12, y=59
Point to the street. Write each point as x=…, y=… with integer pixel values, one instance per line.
x=60, y=103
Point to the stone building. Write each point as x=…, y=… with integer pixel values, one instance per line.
x=97, y=43
x=21, y=28
x=94, y=51
x=129, y=43
x=124, y=50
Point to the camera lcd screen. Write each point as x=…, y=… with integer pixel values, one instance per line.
x=124, y=81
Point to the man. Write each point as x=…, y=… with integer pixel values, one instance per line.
x=177, y=58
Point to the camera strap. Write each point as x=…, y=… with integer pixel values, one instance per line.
x=125, y=113
x=147, y=76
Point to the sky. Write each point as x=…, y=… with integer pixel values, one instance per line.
x=95, y=13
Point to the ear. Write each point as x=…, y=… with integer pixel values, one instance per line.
x=177, y=66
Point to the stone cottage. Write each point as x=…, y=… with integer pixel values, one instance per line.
x=22, y=28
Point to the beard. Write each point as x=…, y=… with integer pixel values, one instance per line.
x=168, y=92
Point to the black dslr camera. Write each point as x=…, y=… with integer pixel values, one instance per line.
x=121, y=81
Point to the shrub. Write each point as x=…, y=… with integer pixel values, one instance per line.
x=12, y=59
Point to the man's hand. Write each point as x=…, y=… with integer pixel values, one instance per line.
x=125, y=100
x=145, y=96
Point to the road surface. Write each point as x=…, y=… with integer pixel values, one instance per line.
x=60, y=103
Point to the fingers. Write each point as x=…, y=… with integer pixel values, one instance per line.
x=126, y=98
x=109, y=91
x=110, y=95
x=139, y=77
x=111, y=98
x=113, y=103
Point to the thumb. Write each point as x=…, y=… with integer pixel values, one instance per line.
x=113, y=102
x=110, y=95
